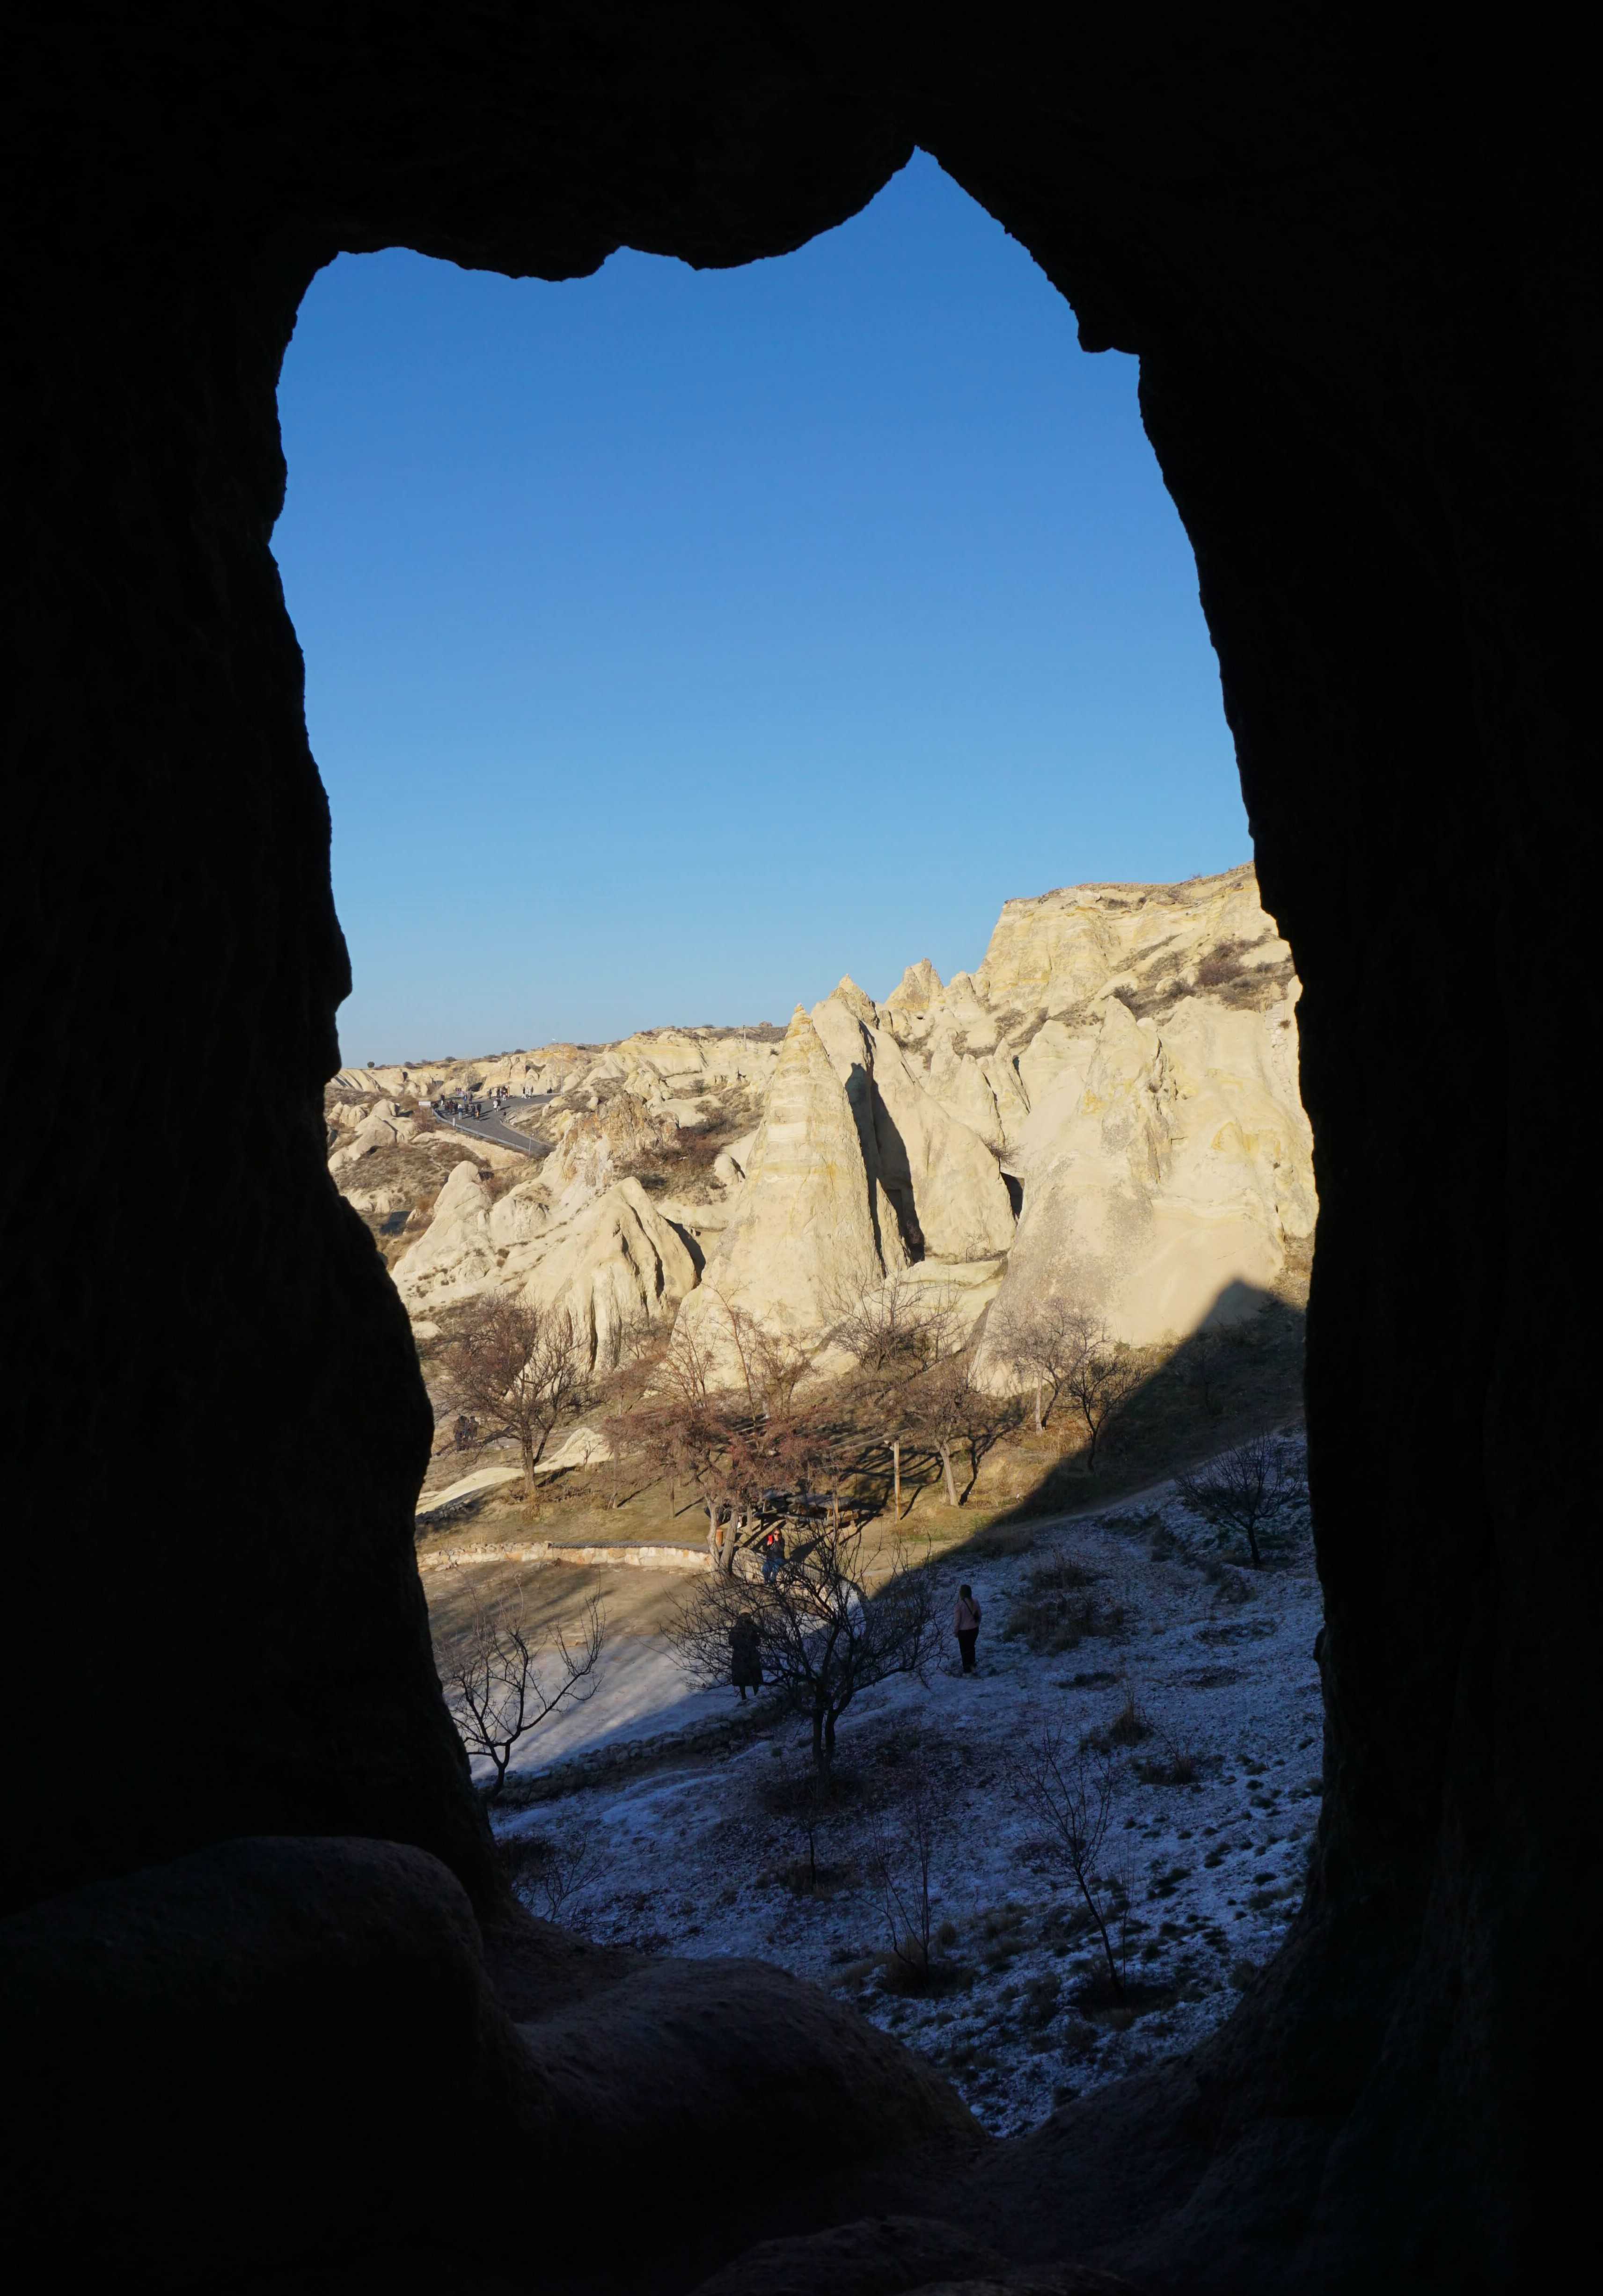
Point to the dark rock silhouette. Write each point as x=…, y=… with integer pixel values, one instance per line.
x=1352, y=248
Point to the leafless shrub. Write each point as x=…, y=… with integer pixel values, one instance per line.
x=905, y=1839
x=1174, y=1765
x=1247, y=1492
x=811, y=1802
x=500, y=1683
x=1041, y=1998
x=1058, y=1607
x=1129, y=1726
x=1070, y=1794
x=554, y=1867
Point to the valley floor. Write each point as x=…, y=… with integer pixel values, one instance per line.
x=670, y=1842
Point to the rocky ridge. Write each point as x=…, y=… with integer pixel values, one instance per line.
x=1108, y=1102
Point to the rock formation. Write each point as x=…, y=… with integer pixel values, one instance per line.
x=941, y=1176
x=1123, y=1064
x=611, y=1264
x=800, y=1241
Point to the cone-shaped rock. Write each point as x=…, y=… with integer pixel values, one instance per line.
x=801, y=1241
x=916, y=990
x=856, y=1000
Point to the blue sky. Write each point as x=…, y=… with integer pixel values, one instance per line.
x=677, y=641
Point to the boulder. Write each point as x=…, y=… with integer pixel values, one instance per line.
x=221, y=2069
x=219, y=2066
x=384, y=1126
x=613, y=1262
x=596, y=1148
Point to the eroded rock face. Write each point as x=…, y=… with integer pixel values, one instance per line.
x=943, y=1175
x=611, y=1264
x=1157, y=1130
x=1125, y=1055
x=801, y=1242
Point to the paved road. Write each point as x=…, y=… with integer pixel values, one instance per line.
x=494, y=1129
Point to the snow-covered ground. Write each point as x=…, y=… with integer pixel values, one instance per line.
x=685, y=1857
x=642, y=1692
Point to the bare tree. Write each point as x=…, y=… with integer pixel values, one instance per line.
x=1203, y=1349
x=641, y=1343
x=893, y=1332
x=905, y=1841
x=1071, y=1794
x=946, y=1408
x=512, y=1370
x=982, y=1420
x=689, y=1426
x=1099, y=1379
x=1243, y=1493
x=810, y=1801
x=500, y=1683
x=772, y=1365
x=736, y=1442
x=824, y=1636
x=1040, y=1344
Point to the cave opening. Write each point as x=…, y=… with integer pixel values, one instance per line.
x=1292, y=224
x=565, y=559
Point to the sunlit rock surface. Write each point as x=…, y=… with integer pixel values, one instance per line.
x=1106, y=1107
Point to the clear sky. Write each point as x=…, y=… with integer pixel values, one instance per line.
x=677, y=641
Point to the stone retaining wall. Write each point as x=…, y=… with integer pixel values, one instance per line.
x=546, y=1550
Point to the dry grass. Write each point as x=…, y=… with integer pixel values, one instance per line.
x=1255, y=1376
x=1058, y=1607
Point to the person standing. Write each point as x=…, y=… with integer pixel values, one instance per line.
x=745, y=1655
x=966, y=1625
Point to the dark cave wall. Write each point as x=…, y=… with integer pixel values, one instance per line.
x=221, y=1373
x=1357, y=271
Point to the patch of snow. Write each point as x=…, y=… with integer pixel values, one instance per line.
x=641, y=1692
x=482, y=1479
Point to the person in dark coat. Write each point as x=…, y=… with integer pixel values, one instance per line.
x=745, y=1655
x=966, y=1625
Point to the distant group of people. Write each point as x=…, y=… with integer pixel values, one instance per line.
x=465, y=1104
